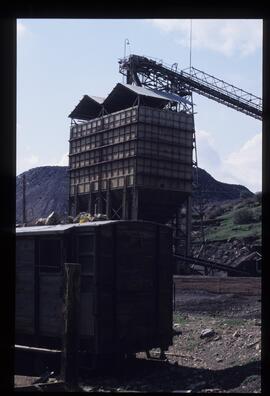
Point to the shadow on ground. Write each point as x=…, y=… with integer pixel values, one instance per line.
x=154, y=375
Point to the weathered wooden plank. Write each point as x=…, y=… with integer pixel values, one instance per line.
x=35, y=349
x=50, y=309
x=69, y=365
x=238, y=285
x=86, y=314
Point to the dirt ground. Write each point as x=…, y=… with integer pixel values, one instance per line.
x=224, y=360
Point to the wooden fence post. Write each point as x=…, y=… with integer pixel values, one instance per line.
x=70, y=348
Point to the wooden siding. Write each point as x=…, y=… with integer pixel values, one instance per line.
x=25, y=281
x=104, y=150
x=126, y=287
x=236, y=285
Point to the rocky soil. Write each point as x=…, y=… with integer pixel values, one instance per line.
x=216, y=349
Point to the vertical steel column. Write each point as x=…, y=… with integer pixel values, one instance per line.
x=124, y=200
x=188, y=225
x=99, y=202
x=76, y=199
x=108, y=200
x=135, y=204
x=90, y=198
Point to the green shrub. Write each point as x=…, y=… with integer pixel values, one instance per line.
x=215, y=212
x=243, y=216
x=259, y=196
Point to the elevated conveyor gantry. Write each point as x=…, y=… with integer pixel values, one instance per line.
x=145, y=71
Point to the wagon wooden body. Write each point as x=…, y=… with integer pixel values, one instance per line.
x=126, y=285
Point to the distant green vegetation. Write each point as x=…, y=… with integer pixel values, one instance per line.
x=241, y=220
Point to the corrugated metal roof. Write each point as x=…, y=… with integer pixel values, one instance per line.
x=89, y=107
x=171, y=96
x=98, y=99
x=143, y=91
x=123, y=96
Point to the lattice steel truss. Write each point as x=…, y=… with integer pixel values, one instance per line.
x=155, y=74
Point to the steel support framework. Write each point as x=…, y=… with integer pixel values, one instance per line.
x=157, y=75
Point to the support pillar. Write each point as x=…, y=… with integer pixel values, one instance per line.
x=99, y=199
x=76, y=199
x=135, y=204
x=188, y=225
x=90, y=198
x=108, y=200
x=124, y=200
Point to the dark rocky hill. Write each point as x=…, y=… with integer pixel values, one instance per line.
x=212, y=190
x=47, y=191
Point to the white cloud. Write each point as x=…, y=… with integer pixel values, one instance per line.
x=27, y=161
x=243, y=166
x=208, y=157
x=21, y=29
x=227, y=36
x=246, y=163
x=64, y=160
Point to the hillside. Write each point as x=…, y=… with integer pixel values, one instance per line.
x=212, y=190
x=47, y=191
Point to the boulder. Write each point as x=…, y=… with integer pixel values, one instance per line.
x=40, y=221
x=52, y=219
x=207, y=333
x=100, y=216
x=83, y=217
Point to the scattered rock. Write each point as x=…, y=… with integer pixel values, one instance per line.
x=40, y=221
x=236, y=333
x=100, y=216
x=252, y=344
x=82, y=217
x=207, y=333
x=52, y=219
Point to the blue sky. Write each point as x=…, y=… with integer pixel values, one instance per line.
x=60, y=60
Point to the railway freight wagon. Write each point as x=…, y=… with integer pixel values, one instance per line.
x=126, y=285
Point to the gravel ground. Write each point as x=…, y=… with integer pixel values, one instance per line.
x=225, y=360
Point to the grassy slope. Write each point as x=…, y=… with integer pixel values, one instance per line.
x=227, y=229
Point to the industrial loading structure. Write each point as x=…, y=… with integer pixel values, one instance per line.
x=133, y=154
x=131, y=158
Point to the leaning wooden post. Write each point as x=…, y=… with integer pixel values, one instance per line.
x=70, y=348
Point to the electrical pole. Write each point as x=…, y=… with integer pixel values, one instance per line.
x=23, y=201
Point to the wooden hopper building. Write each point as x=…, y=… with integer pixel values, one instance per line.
x=130, y=157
